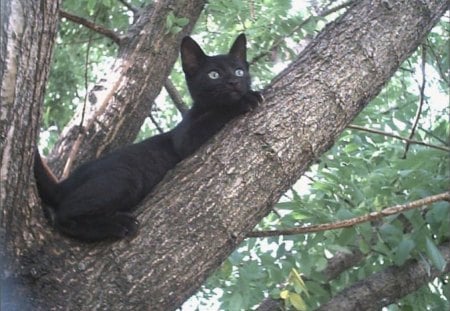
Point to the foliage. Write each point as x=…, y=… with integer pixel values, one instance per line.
x=363, y=172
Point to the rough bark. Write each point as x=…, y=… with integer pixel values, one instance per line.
x=28, y=31
x=385, y=287
x=119, y=103
x=205, y=207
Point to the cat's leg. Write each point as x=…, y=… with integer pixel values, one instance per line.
x=97, y=210
x=93, y=228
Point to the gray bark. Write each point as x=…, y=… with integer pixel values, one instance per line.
x=28, y=31
x=205, y=207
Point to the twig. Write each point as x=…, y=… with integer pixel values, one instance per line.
x=74, y=151
x=150, y=115
x=431, y=134
x=176, y=97
x=296, y=28
x=86, y=84
x=356, y=220
x=79, y=42
x=437, y=59
x=72, y=155
x=411, y=141
x=130, y=7
x=422, y=100
x=92, y=26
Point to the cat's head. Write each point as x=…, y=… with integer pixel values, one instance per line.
x=218, y=80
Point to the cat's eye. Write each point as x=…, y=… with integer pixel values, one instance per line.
x=213, y=75
x=239, y=72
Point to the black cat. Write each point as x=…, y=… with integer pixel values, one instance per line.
x=95, y=202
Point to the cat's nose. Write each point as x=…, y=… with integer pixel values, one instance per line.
x=233, y=82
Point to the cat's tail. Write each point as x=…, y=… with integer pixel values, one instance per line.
x=46, y=181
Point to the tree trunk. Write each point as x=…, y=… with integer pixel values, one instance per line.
x=28, y=31
x=205, y=207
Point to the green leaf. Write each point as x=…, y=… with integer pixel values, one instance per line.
x=284, y=294
x=297, y=280
x=347, y=236
x=363, y=246
x=321, y=264
x=297, y=301
x=344, y=213
x=225, y=269
x=182, y=21
x=391, y=233
x=435, y=255
x=236, y=301
x=403, y=251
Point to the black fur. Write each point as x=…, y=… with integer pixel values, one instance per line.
x=95, y=202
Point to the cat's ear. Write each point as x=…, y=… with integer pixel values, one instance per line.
x=239, y=48
x=192, y=56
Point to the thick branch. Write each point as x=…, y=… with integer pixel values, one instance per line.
x=341, y=262
x=91, y=25
x=400, y=208
x=387, y=286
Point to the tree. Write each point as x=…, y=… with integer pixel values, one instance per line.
x=208, y=204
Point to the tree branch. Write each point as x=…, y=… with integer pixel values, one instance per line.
x=396, y=209
x=176, y=97
x=341, y=262
x=130, y=7
x=431, y=134
x=155, y=123
x=411, y=141
x=72, y=155
x=437, y=58
x=390, y=284
x=92, y=26
x=422, y=99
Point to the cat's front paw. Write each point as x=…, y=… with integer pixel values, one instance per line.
x=129, y=226
x=251, y=100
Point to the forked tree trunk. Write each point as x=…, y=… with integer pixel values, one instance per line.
x=27, y=36
x=204, y=208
